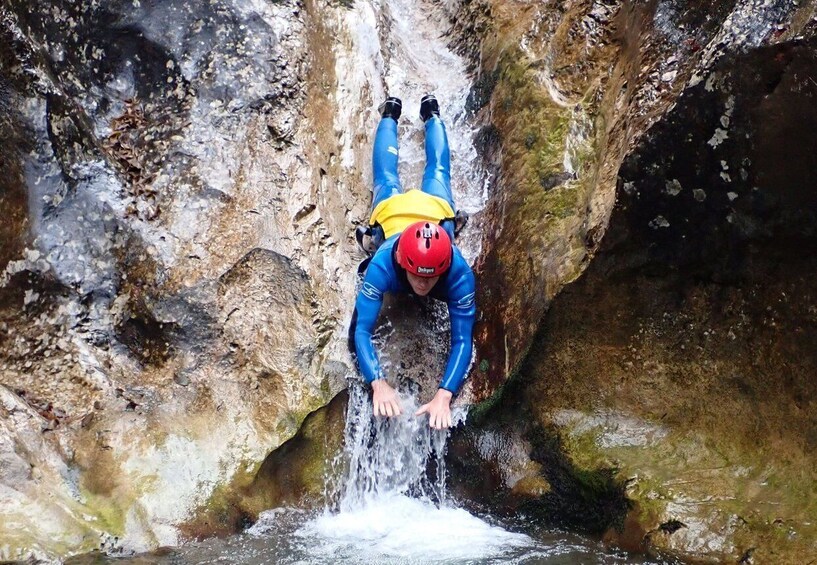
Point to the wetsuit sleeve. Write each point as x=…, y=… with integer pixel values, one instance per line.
x=368, y=303
x=462, y=310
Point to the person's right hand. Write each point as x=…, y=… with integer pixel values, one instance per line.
x=385, y=399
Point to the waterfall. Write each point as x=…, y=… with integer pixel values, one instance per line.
x=400, y=48
x=390, y=456
x=389, y=499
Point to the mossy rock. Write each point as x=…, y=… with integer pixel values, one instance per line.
x=294, y=474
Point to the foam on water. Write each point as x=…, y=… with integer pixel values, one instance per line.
x=396, y=526
x=386, y=492
x=386, y=506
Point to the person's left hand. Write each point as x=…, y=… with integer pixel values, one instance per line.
x=438, y=410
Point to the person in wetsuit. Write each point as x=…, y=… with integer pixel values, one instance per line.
x=416, y=256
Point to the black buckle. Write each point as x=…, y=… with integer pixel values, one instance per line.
x=375, y=235
x=460, y=221
x=360, y=233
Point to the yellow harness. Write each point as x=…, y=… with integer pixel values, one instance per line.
x=398, y=212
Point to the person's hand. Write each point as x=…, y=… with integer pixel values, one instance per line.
x=438, y=410
x=384, y=399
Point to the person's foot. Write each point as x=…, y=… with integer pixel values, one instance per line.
x=429, y=107
x=391, y=108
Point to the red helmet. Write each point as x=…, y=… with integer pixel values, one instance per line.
x=425, y=249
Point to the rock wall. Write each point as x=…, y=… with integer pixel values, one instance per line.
x=178, y=266
x=667, y=400
x=568, y=89
x=635, y=132
x=177, y=259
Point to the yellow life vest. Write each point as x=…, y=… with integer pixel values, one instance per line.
x=398, y=212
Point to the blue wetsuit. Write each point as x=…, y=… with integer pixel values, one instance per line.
x=456, y=286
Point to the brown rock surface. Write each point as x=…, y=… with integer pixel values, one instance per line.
x=179, y=265
x=677, y=371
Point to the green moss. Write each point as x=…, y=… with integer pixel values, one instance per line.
x=22, y=532
x=550, y=153
x=592, y=482
x=225, y=510
x=775, y=517
x=563, y=202
x=479, y=413
x=543, y=199
x=291, y=420
x=109, y=511
x=582, y=448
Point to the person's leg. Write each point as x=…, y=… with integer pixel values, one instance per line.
x=384, y=161
x=437, y=174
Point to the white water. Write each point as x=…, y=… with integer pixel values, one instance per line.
x=386, y=509
x=397, y=528
x=383, y=506
x=387, y=506
x=387, y=456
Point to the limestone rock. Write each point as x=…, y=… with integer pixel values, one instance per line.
x=165, y=301
x=268, y=312
x=673, y=375
x=178, y=265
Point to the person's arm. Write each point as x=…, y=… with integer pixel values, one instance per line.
x=368, y=304
x=462, y=312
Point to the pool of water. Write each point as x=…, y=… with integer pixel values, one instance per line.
x=384, y=506
x=395, y=529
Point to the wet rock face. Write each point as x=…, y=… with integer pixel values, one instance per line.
x=567, y=101
x=681, y=363
x=12, y=196
x=166, y=266
x=669, y=383
x=522, y=472
x=722, y=185
x=272, y=333
x=121, y=116
x=178, y=244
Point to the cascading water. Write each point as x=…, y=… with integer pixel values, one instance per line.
x=389, y=456
x=387, y=499
x=386, y=503
x=389, y=506
x=383, y=506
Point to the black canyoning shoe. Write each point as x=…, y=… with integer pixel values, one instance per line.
x=429, y=107
x=391, y=108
